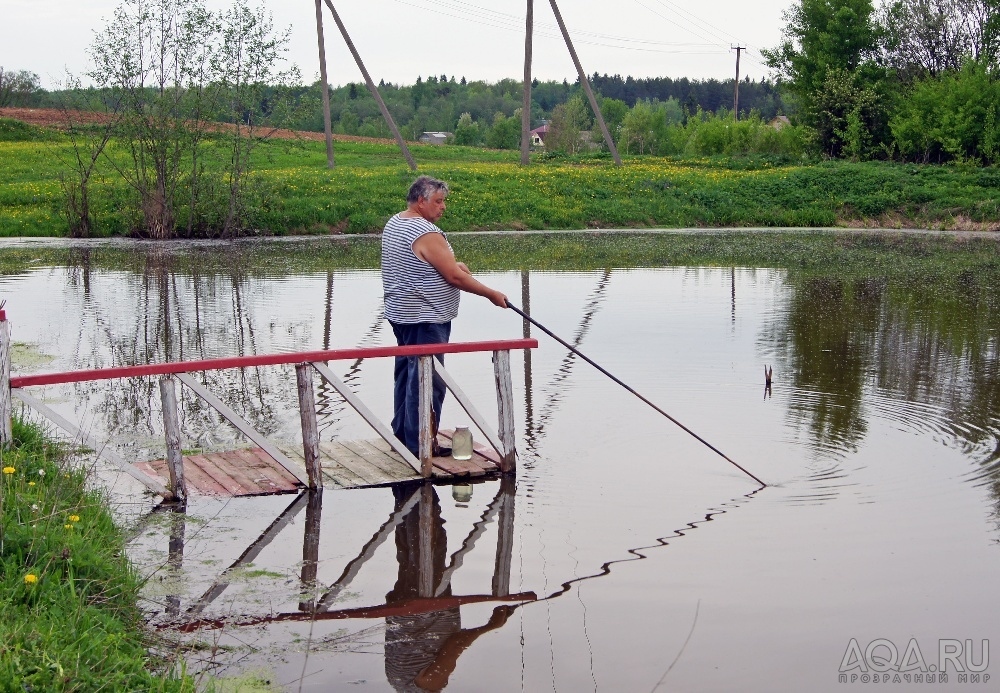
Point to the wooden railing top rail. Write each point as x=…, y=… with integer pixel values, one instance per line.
x=268, y=360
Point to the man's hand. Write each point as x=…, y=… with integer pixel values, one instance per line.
x=498, y=299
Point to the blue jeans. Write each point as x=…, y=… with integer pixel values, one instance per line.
x=406, y=393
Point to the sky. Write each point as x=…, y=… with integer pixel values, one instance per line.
x=400, y=40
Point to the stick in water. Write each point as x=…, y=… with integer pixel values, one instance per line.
x=602, y=370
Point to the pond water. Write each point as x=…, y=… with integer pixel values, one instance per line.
x=625, y=555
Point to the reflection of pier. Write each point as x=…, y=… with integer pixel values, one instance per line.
x=269, y=469
x=424, y=631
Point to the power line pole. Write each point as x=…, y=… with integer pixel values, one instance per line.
x=585, y=83
x=526, y=106
x=736, y=84
x=327, y=129
x=372, y=89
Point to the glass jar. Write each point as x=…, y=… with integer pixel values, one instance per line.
x=461, y=443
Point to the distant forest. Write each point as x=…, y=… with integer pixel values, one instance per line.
x=437, y=103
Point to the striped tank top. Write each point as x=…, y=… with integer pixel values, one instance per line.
x=414, y=291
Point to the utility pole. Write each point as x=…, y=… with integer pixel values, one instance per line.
x=526, y=106
x=327, y=129
x=372, y=89
x=736, y=84
x=585, y=83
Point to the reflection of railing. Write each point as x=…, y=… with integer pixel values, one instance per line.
x=428, y=369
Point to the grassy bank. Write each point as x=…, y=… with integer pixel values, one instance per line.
x=67, y=592
x=492, y=191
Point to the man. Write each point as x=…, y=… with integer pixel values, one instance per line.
x=422, y=282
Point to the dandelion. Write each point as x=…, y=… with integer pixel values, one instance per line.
x=74, y=518
x=68, y=526
x=9, y=470
x=30, y=579
x=31, y=483
x=41, y=472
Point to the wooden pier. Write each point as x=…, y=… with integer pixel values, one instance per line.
x=348, y=464
x=282, y=467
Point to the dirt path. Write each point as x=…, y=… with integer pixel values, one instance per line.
x=60, y=120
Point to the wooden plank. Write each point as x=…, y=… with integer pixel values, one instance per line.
x=458, y=467
x=357, y=463
x=264, y=472
x=478, y=419
x=197, y=480
x=332, y=471
x=366, y=413
x=267, y=360
x=220, y=476
x=242, y=424
x=391, y=462
x=233, y=465
x=381, y=459
x=101, y=450
x=338, y=454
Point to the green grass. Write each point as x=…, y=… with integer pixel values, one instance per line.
x=491, y=191
x=67, y=592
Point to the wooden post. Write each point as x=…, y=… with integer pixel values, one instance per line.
x=371, y=88
x=172, y=430
x=425, y=411
x=425, y=542
x=585, y=83
x=526, y=102
x=327, y=128
x=505, y=407
x=6, y=407
x=175, y=554
x=310, y=548
x=505, y=539
x=310, y=428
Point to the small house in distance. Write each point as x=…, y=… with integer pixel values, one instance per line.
x=435, y=137
x=538, y=135
x=779, y=122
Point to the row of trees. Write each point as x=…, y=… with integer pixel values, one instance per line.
x=915, y=79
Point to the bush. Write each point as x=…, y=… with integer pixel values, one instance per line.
x=953, y=116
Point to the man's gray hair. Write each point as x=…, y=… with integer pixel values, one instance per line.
x=424, y=188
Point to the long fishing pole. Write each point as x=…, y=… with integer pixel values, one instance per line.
x=605, y=372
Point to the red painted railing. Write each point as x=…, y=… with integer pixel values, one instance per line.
x=268, y=360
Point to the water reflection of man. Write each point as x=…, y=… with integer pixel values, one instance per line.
x=422, y=283
x=412, y=641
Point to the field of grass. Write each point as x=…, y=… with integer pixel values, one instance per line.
x=67, y=591
x=491, y=191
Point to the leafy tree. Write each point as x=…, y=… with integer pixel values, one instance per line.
x=568, y=121
x=638, y=130
x=828, y=53
x=171, y=66
x=928, y=37
x=614, y=112
x=505, y=132
x=17, y=88
x=953, y=116
x=849, y=116
x=467, y=130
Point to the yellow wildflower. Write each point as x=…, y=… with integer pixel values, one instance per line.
x=30, y=579
x=74, y=518
x=68, y=526
x=31, y=483
x=9, y=470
